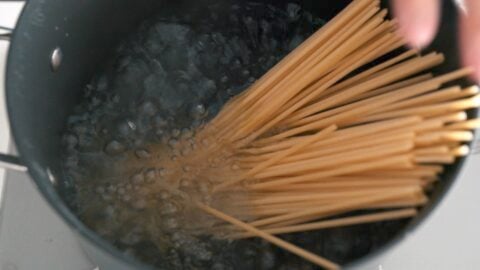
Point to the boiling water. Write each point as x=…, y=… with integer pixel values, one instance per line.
x=126, y=144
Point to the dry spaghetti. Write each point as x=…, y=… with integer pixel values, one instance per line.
x=315, y=137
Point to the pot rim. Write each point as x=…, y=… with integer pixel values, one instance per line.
x=49, y=193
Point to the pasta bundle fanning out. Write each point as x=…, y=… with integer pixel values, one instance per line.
x=326, y=133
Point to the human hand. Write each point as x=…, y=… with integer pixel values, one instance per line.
x=419, y=20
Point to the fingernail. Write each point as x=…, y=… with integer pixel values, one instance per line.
x=461, y=6
x=417, y=38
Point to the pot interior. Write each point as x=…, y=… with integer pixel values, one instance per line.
x=86, y=33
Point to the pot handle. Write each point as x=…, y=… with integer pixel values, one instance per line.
x=12, y=163
x=7, y=33
x=8, y=161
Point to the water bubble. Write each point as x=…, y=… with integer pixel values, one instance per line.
x=124, y=129
x=214, y=162
x=251, y=79
x=159, y=133
x=177, y=240
x=126, y=198
x=198, y=111
x=121, y=191
x=172, y=143
x=165, y=139
x=138, y=228
x=224, y=79
x=159, y=121
x=131, y=125
x=163, y=195
x=187, y=133
x=200, y=251
x=142, y=192
x=109, y=211
x=111, y=189
x=142, y=153
x=205, y=187
x=150, y=175
x=139, y=204
x=170, y=223
x=207, y=198
x=295, y=42
x=178, y=237
x=201, y=44
x=114, y=147
x=162, y=172
x=130, y=252
x=70, y=140
x=293, y=11
x=175, y=133
x=185, y=183
x=116, y=98
x=187, y=168
x=137, y=179
x=168, y=208
x=205, y=89
x=245, y=72
x=197, y=123
x=236, y=64
x=185, y=152
x=100, y=190
x=221, y=266
x=72, y=161
x=138, y=142
x=266, y=260
x=106, y=197
x=80, y=128
x=235, y=167
x=148, y=108
x=130, y=238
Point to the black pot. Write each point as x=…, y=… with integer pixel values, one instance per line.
x=58, y=46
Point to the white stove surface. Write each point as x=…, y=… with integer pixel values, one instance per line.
x=33, y=237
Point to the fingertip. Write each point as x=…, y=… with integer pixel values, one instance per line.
x=474, y=65
x=418, y=20
x=419, y=37
x=472, y=60
x=475, y=75
x=470, y=38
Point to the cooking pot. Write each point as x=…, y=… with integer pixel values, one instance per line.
x=56, y=48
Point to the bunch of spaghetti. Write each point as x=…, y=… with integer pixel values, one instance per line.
x=326, y=133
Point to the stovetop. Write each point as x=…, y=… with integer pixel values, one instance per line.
x=32, y=236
